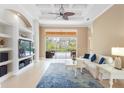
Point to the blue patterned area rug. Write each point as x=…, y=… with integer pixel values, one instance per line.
x=58, y=76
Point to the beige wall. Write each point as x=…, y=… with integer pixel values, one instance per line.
x=82, y=41
x=108, y=31
x=82, y=36
x=42, y=42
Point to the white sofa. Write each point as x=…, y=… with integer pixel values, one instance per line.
x=93, y=67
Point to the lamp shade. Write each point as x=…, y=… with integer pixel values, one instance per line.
x=118, y=51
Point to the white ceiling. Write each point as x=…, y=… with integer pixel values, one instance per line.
x=80, y=10
x=84, y=13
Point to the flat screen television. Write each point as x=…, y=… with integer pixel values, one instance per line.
x=25, y=48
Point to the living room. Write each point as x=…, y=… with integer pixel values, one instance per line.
x=23, y=46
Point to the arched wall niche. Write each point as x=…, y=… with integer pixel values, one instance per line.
x=21, y=16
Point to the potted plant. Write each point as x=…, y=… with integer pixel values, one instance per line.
x=2, y=42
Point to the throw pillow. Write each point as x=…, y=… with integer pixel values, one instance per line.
x=102, y=61
x=93, y=58
x=86, y=56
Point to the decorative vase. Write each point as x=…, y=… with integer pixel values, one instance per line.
x=2, y=42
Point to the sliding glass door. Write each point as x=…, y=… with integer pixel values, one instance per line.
x=60, y=47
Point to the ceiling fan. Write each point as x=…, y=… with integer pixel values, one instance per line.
x=62, y=13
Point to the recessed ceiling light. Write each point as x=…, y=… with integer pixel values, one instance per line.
x=88, y=19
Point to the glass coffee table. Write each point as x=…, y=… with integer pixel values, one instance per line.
x=72, y=64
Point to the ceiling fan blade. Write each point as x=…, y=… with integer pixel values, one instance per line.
x=69, y=13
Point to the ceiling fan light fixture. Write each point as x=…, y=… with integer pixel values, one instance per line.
x=63, y=14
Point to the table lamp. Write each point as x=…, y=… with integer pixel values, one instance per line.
x=118, y=52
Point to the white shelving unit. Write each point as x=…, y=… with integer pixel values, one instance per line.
x=22, y=33
x=25, y=30
x=20, y=59
x=6, y=62
x=11, y=33
x=6, y=35
x=5, y=49
x=29, y=39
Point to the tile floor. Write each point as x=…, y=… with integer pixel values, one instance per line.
x=31, y=76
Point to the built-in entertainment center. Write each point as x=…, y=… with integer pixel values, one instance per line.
x=16, y=47
x=25, y=48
